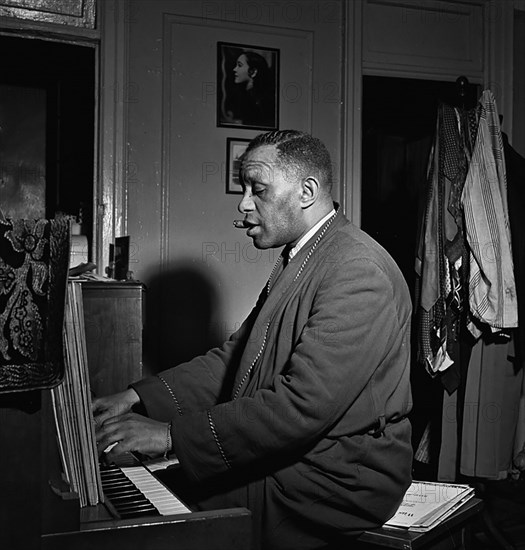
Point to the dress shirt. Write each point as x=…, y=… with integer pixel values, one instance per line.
x=304, y=239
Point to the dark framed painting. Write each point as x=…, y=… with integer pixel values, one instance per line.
x=247, y=86
x=235, y=148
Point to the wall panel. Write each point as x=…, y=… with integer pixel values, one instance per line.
x=441, y=38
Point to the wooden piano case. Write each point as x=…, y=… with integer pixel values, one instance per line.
x=114, y=324
x=213, y=530
x=66, y=526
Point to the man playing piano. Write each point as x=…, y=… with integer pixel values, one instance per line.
x=301, y=416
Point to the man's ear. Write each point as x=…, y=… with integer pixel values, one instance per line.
x=310, y=189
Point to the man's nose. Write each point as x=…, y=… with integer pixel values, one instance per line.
x=246, y=204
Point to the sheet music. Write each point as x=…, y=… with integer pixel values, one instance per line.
x=72, y=407
x=425, y=504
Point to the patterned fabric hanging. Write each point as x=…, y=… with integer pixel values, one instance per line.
x=34, y=261
x=492, y=288
x=442, y=255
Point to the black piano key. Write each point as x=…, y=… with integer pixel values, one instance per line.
x=116, y=484
x=138, y=505
x=112, y=475
x=124, y=494
x=110, y=480
x=113, y=495
x=145, y=510
x=115, y=479
x=134, y=494
x=117, y=501
x=128, y=497
x=108, y=470
x=137, y=514
x=108, y=467
x=115, y=490
x=124, y=489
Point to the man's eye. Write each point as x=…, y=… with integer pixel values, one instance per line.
x=259, y=191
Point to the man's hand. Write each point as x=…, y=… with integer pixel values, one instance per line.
x=117, y=404
x=132, y=432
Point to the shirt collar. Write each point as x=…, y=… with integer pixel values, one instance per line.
x=309, y=234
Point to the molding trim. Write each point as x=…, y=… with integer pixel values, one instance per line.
x=351, y=145
x=401, y=71
x=165, y=160
x=110, y=209
x=499, y=55
x=79, y=37
x=76, y=14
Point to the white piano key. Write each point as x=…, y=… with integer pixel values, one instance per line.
x=165, y=501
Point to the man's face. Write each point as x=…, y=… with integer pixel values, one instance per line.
x=271, y=202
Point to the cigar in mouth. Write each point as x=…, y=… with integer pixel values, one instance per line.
x=240, y=224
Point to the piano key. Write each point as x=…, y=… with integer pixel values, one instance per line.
x=121, y=491
x=116, y=500
x=116, y=483
x=127, y=507
x=162, y=499
x=108, y=469
x=133, y=490
x=112, y=479
x=123, y=505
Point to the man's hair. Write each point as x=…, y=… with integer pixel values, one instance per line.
x=299, y=155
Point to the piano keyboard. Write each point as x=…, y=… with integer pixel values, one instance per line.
x=133, y=492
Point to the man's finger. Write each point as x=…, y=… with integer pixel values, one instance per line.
x=118, y=419
x=109, y=432
x=100, y=418
x=103, y=415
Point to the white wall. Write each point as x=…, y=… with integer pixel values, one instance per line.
x=202, y=274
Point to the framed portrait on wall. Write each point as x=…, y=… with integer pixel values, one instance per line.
x=235, y=147
x=247, y=86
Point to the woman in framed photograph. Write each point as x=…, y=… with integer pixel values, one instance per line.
x=248, y=93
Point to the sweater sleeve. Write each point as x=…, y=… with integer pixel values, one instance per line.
x=353, y=345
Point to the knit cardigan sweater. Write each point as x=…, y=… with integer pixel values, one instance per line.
x=301, y=415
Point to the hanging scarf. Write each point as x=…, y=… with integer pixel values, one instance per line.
x=34, y=261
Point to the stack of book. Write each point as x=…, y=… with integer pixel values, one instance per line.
x=426, y=504
x=72, y=407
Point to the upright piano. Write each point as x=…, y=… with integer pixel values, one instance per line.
x=139, y=511
x=38, y=510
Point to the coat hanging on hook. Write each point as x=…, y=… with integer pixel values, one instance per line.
x=466, y=276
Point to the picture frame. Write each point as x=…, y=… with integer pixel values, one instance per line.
x=235, y=148
x=247, y=86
